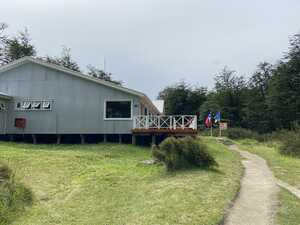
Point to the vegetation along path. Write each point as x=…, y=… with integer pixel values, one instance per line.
x=257, y=199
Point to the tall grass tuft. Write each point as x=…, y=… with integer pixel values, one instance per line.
x=13, y=196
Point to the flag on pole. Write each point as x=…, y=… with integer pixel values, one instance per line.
x=208, y=120
x=218, y=117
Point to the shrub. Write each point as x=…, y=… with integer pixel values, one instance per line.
x=183, y=153
x=290, y=143
x=241, y=133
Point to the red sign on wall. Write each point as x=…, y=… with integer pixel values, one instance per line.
x=20, y=123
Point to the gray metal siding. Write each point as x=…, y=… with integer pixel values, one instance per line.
x=2, y=122
x=78, y=104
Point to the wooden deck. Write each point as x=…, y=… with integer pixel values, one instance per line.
x=177, y=131
x=167, y=125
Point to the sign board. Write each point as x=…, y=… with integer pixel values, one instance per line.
x=20, y=123
x=223, y=126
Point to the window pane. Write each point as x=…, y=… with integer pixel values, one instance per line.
x=46, y=105
x=26, y=105
x=36, y=105
x=120, y=109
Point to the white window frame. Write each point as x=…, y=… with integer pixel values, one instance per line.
x=119, y=100
x=32, y=101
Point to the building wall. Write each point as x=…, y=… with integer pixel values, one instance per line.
x=77, y=104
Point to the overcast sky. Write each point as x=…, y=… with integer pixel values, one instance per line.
x=150, y=44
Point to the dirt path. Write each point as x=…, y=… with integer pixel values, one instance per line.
x=257, y=200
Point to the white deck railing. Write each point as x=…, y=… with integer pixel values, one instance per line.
x=165, y=122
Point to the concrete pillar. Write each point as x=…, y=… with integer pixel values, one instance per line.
x=120, y=138
x=82, y=138
x=104, y=138
x=153, y=139
x=58, y=139
x=34, y=139
x=133, y=139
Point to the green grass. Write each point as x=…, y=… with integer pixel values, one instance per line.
x=289, y=213
x=13, y=196
x=286, y=168
x=108, y=184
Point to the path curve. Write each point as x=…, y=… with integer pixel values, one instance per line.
x=257, y=201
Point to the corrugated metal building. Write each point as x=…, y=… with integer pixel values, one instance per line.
x=41, y=98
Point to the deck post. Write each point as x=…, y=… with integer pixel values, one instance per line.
x=34, y=139
x=104, y=138
x=133, y=139
x=153, y=139
x=120, y=138
x=11, y=137
x=58, y=139
x=82, y=138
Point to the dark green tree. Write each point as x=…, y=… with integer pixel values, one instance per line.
x=16, y=47
x=64, y=60
x=182, y=99
x=100, y=74
x=284, y=88
x=3, y=40
x=257, y=115
x=229, y=95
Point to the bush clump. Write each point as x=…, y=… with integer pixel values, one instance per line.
x=13, y=196
x=183, y=153
x=241, y=133
x=290, y=143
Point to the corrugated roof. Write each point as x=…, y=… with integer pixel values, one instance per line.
x=77, y=74
x=4, y=95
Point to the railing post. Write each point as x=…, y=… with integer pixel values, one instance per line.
x=134, y=122
x=158, y=123
x=147, y=122
x=182, y=125
x=171, y=120
x=174, y=122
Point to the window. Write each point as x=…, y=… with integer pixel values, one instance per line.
x=46, y=105
x=118, y=109
x=36, y=105
x=2, y=107
x=29, y=105
x=18, y=105
x=26, y=105
x=145, y=111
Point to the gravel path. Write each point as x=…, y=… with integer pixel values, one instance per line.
x=257, y=201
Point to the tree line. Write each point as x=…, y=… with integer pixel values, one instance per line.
x=20, y=45
x=266, y=101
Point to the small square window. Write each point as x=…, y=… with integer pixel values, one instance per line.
x=36, y=105
x=18, y=105
x=2, y=107
x=26, y=105
x=46, y=105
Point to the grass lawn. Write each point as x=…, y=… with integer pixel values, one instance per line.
x=289, y=213
x=285, y=168
x=108, y=184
